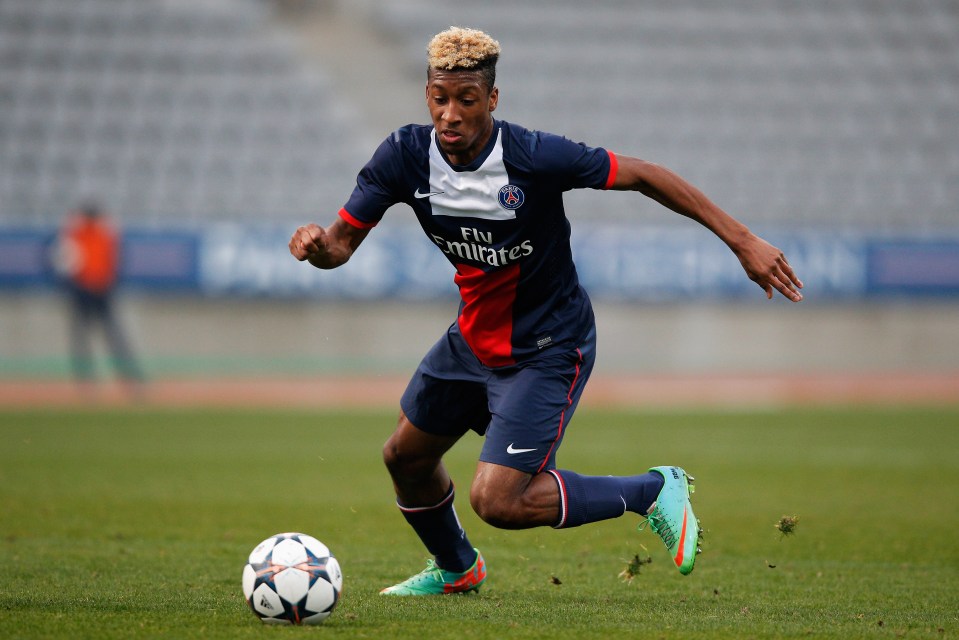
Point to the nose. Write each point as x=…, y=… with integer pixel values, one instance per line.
x=451, y=115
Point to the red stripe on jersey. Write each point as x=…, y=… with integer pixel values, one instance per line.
x=486, y=320
x=359, y=224
x=613, y=169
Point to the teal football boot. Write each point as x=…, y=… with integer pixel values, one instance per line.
x=671, y=518
x=436, y=581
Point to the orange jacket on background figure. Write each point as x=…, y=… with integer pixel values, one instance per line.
x=90, y=250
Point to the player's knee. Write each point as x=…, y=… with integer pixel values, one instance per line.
x=403, y=461
x=395, y=458
x=498, y=510
x=488, y=511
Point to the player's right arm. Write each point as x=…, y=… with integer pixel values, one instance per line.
x=377, y=186
x=329, y=247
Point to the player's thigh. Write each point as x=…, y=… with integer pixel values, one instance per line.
x=531, y=409
x=409, y=445
x=446, y=395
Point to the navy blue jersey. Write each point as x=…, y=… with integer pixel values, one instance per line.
x=500, y=221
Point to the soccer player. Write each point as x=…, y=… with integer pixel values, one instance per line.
x=512, y=367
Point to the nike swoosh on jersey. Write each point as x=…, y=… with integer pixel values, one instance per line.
x=417, y=194
x=510, y=450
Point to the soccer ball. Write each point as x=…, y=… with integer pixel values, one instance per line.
x=292, y=578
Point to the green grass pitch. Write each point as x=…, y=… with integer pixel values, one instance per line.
x=137, y=523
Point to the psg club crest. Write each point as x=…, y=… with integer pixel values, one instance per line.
x=511, y=197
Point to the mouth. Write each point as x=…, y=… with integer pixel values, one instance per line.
x=450, y=137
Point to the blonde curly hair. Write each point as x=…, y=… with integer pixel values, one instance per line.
x=462, y=49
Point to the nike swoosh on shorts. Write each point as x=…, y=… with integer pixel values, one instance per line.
x=510, y=450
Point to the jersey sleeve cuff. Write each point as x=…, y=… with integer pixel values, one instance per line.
x=613, y=170
x=359, y=224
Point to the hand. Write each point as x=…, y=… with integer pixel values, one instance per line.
x=309, y=242
x=329, y=247
x=767, y=266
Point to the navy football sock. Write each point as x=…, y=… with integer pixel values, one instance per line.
x=440, y=530
x=586, y=499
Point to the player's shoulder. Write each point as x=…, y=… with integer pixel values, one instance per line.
x=540, y=149
x=411, y=136
x=518, y=136
x=408, y=145
x=534, y=140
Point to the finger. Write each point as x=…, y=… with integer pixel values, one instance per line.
x=788, y=277
x=296, y=246
x=314, y=239
x=302, y=244
x=308, y=244
x=788, y=271
x=786, y=287
x=776, y=279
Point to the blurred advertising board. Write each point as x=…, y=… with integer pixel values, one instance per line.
x=623, y=263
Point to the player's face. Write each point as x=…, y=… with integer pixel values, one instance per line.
x=461, y=108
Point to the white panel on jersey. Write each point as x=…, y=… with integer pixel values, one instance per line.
x=469, y=194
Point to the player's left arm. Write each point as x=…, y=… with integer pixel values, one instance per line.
x=764, y=264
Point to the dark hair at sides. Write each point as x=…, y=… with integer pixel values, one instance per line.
x=486, y=69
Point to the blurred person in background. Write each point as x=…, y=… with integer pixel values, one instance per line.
x=87, y=257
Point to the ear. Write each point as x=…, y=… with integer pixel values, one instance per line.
x=493, y=99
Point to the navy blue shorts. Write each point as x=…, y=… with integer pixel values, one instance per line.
x=523, y=409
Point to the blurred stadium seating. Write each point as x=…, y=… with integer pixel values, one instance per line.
x=164, y=109
x=793, y=113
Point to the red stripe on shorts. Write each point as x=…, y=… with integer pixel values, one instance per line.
x=562, y=416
